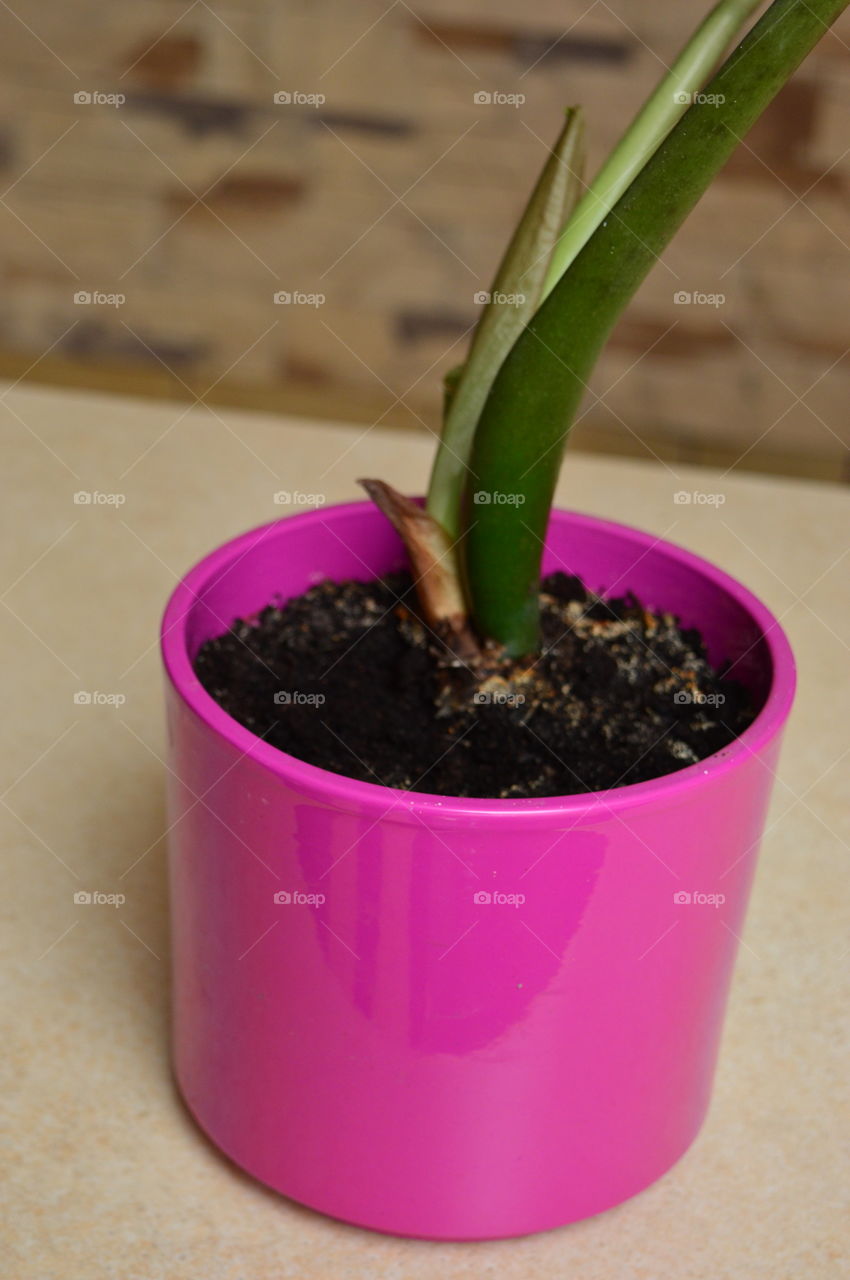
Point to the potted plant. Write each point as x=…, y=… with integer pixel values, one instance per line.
x=488, y=1010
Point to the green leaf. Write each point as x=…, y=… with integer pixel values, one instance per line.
x=656, y=118
x=450, y=382
x=531, y=405
x=513, y=298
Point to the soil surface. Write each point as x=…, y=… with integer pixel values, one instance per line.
x=346, y=677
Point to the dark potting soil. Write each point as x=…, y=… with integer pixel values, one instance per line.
x=346, y=677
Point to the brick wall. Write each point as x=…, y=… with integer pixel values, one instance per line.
x=199, y=198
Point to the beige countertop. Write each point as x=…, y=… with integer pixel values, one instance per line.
x=109, y=1176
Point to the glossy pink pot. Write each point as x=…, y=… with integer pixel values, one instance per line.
x=458, y=1019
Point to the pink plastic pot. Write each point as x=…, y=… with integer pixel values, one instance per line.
x=453, y=1018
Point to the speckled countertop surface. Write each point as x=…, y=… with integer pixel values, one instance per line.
x=108, y=1175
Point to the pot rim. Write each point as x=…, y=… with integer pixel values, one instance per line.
x=346, y=793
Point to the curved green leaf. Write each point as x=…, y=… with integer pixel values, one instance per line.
x=513, y=298
x=531, y=405
x=667, y=104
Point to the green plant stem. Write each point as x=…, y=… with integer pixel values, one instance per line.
x=531, y=405
x=513, y=299
x=656, y=118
